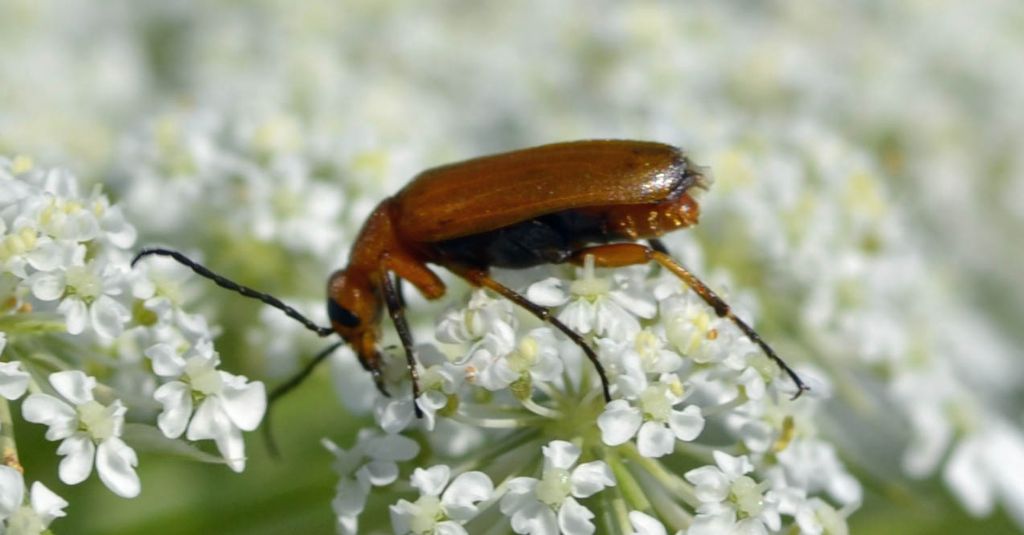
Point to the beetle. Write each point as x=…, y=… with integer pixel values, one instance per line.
x=551, y=204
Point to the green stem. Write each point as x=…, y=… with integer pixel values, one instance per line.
x=630, y=487
x=673, y=483
x=8, y=446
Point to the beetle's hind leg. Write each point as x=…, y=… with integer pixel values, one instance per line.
x=478, y=277
x=397, y=312
x=628, y=254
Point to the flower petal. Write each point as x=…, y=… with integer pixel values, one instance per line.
x=431, y=481
x=380, y=473
x=244, y=402
x=394, y=415
x=13, y=380
x=166, y=361
x=518, y=495
x=560, y=454
x=460, y=498
x=688, y=423
x=47, y=504
x=48, y=410
x=712, y=486
x=391, y=448
x=12, y=491
x=619, y=422
x=211, y=422
x=536, y=519
x=655, y=440
x=47, y=286
x=74, y=385
x=76, y=315
x=574, y=519
x=965, y=475
x=590, y=478
x=350, y=499
x=644, y=524
x=115, y=463
x=108, y=317
x=176, y=397
x=77, y=463
x=548, y=292
x=401, y=514
x=732, y=466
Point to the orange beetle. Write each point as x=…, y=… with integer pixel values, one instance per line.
x=543, y=205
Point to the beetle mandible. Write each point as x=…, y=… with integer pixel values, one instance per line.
x=550, y=204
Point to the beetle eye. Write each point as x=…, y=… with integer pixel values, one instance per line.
x=339, y=314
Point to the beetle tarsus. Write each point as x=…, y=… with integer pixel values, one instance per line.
x=378, y=379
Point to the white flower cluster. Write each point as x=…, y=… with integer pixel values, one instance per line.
x=869, y=197
x=520, y=405
x=69, y=301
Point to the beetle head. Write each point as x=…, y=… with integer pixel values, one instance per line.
x=352, y=305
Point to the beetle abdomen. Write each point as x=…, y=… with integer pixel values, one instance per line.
x=548, y=239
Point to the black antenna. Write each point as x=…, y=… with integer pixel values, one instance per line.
x=235, y=287
x=288, y=386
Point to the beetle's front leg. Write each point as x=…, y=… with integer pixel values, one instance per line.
x=397, y=313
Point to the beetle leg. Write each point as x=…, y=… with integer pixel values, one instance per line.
x=658, y=245
x=397, y=313
x=627, y=254
x=478, y=277
x=399, y=291
x=293, y=382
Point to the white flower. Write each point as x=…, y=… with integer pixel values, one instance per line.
x=814, y=465
x=727, y=494
x=371, y=462
x=89, y=431
x=88, y=294
x=224, y=404
x=548, y=505
x=692, y=327
x=814, y=516
x=534, y=357
x=483, y=315
x=597, y=305
x=438, y=380
x=33, y=518
x=440, y=510
x=988, y=464
x=653, y=419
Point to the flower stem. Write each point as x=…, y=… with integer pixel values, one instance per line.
x=8, y=446
x=673, y=483
x=541, y=410
x=631, y=489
